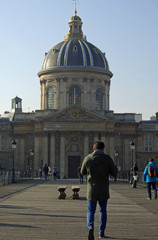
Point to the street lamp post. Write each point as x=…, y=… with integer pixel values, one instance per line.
x=116, y=155
x=31, y=158
x=31, y=152
x=13, y=171
x=132, y=146
x=116, y=162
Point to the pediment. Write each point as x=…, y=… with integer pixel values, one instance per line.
x=74, y=113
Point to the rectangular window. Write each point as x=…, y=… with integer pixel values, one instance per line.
x=148, y=143
x=51, y=95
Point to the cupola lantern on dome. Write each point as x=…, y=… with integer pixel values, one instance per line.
x=75, y=28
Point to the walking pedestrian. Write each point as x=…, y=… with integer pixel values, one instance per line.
x=40, y=172
x=135, y=180
x=150, y=176
x=80, y=175
x=54, y=172
x=98, y=166
x=135, y=167
x=49, y=172
x=45, y=169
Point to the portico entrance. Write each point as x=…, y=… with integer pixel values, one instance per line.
x=73, y=164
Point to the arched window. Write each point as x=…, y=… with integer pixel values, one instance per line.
x=75, y=95
x=50, y=98
x=99, y=99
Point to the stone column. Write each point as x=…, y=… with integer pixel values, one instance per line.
x=126, y=155
x=105, y=98
x=52, y=150
x=45, y=99
x=86, y=144
x=41, y=94
x=62, y=155
x=15, y=155
x=95, y=136
x=84, y=92
x=107, y=145
x=63, y=103
x=22, y=156
x=112, y=147
x=103, y=139
x=108, y=97
x=45, y=148
x=93, y=95
x=37, y=159
x=19, y=157
x=58, y=94
x=87, y=93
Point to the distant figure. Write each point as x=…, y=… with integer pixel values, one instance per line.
x=55, y=173
x=64, y=177
x=45, y=169
x=115, y=177
x=80, y=175
x=40, y=172
x=135, y=180
x=135, y=167
x=50, y=171
x=98, y=166
x=150, y=176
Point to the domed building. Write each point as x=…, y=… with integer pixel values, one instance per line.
x=75, y=111
x=75, y=83
x=75, y=72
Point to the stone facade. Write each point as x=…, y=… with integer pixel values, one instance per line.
x=62, y=132
x=64, y=137
x=62, y=82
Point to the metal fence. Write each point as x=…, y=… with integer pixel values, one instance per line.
x=6, y=177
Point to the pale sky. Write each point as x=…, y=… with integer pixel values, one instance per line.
x=126, y=30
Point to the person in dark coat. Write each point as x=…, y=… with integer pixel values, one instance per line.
x=97, y=166
x=45, y=169
x=80, y=175
x=135, y=168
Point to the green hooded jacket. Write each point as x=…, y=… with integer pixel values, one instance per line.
x=98, y=166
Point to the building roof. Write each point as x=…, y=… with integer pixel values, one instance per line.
x=75, y=51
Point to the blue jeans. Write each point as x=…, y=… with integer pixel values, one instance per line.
x=46, y=176
x=91, y=208
x=153, y=184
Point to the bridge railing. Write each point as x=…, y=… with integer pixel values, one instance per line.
x=6, y=177
x=127, y=176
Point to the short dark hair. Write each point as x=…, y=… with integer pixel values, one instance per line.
x=98, y=145
x=151, y=160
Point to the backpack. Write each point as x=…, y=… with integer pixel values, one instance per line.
x=151, y=171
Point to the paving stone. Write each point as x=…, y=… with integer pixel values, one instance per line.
x=33, y=211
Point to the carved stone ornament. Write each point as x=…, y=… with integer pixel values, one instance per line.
x=74, y=113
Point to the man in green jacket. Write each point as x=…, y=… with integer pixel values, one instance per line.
x=97, y=166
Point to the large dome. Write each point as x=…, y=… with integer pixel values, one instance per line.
x=75, y=52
